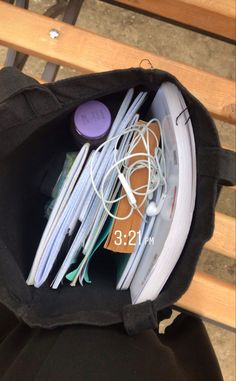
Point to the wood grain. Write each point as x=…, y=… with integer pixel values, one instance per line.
x=223, y=240
x=88, y=52
x=217, y=17
x=210, y=298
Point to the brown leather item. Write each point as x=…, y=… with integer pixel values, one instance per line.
x=125, y=240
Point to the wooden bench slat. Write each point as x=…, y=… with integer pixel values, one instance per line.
x=217, y=17
x=210, y=298
x=89, y=52
x=223, y=240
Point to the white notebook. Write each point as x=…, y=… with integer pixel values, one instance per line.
x=172, y=225
x=59, y=209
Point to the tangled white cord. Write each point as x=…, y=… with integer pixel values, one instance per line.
x=155, y=164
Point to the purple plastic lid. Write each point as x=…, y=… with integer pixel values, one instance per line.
x=92, y=119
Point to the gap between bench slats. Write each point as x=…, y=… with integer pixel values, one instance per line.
x=89, y=52
x=217, y=17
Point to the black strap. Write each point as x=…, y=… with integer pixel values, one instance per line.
x=143, y=316
x=139, y=317
x=12, y=82
x=22, y=100
x=218, y=163
x=40, y=99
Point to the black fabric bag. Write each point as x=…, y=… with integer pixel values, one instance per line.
x=34, y=129
x=92, y=353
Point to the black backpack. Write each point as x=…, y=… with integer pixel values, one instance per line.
x=33, y=130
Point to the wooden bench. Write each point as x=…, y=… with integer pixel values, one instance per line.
x=208, y=297
x=214, y=17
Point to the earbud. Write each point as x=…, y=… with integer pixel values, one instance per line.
x=127, y=189
x=123, y=148
x=154, y=209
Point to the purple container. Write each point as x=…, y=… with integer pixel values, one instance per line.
x=91, y=122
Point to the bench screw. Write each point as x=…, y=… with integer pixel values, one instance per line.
x=54, y=33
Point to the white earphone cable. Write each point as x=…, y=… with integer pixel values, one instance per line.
x=155, y=164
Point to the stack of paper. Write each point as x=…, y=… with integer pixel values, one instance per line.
x=171, y=227
x=78, y=204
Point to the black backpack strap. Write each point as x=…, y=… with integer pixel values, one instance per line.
x=218, y=163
